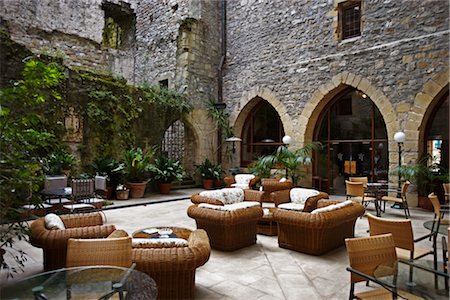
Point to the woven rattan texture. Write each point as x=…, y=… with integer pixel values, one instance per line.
x=54, y=242
x=316, y=233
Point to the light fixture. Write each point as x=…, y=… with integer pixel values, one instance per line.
x=364, y=96
x=399, y=137
x=287, y=139
x=233, y=140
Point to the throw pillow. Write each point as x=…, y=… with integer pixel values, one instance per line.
x=292, y=206
x=233, y=195
x=283, y=179
x=158, y=243
x=300, y=195
x=53, y=222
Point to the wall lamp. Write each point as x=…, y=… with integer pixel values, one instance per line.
x=234, y=140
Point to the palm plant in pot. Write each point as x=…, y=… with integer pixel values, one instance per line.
x=112, y=169
x=138, y=165
x=166, y=171
x=209, y=172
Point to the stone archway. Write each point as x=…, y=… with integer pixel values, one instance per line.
x=248, y=102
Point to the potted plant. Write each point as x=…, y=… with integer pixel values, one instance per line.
x=209, y=172
x=166, y=171
x=58, y=163
x=137, y=163
x=122, y=192
x=425, y=176
x=112, y=169
x=289, y=162
x=218, y=171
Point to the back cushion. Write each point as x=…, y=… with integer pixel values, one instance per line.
x=216, y=194
x=233, y=195
x=332, y=207
x=53, y=222
x=243, y=178
x=300, y=195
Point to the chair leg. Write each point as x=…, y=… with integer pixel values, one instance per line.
x=432, y=226
x=445, y=261
x=435, y=264
x=352, y=291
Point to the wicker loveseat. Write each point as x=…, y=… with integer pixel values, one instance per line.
x=228, y=230
x=54, y=242
x=317, y=233
x=173, y=268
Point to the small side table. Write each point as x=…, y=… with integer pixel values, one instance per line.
x=266, y=225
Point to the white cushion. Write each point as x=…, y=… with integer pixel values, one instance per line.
x=215, y=194
x=300, y=195
x=57, y=200
x=33, y=206
x=233, y=195
x=54, y=222
x=78, y=206
x=242, y=180
x=283, y=179
x=332, y=207
x=292, y=206
x=231, y=207
x=161, y=242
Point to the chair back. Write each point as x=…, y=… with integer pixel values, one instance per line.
x=446, y=190
x=355, y=189
x=401, y=230
x=374, y=256
x=364, y=180
x=405, y=187
x=436, y=204
x=55, y=182
x=82, y=188
x=105, y=251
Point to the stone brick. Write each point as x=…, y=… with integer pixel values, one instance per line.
x=402, y=107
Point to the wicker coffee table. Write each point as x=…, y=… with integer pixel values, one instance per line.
x=152, y=232
x=266, y=225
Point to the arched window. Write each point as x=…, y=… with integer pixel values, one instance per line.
x=173, y=142
x=354, y=136
x=262, y=132
x=436, y=134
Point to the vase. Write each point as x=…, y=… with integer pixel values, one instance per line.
x=164, y=187
x=208, y=184
x=137, y=189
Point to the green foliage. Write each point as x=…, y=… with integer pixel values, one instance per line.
x=422, y=175
x=289, y=161
x=113, y=169
x=57, y=162
x=27, y=134
x=138, y=165
x=220, y=116
x=260, y=169
x=208, y=170
x=167, y=170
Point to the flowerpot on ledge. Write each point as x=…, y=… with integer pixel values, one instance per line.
x=164, y=187
x=122, y=194
x=208, y=184
x=137, y=189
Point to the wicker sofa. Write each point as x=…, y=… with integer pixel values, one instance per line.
x=227, y=230
x=173, y=269
x=317, y=233
x=54, y=242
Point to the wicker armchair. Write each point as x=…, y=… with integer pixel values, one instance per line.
x=227, y=230
x=318, y=233
x=283, y=196
x=54, y=242
x=173, y=269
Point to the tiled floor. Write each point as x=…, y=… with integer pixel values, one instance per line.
x=261, y=271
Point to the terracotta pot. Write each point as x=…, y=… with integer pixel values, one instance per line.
x=137, y=189
x=425, y=203
x=208, y=184
x=164, y=187
x=109, y=192
x=218, y=183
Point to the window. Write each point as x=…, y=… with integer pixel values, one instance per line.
x=173, y=141
x=350, y=19
x=119, y=29
x=164, y=84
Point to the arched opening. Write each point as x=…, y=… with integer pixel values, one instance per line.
x=355, y=140
x=173, y=142
x=262, y=132
x=436, y=133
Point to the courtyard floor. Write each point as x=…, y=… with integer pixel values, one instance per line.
x=261, y=271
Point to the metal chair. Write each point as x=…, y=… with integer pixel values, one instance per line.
x=439, y=212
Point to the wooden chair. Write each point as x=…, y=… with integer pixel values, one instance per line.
x=355, y=191
x=438, y=212
x=373, y=258
x=404, y=239
x=402, y=200
x=447, y=192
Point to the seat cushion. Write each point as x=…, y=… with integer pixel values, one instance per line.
x=332, y=207
x=231, y=207
x=300, y=195
x=292, y=206
x=53, y=222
